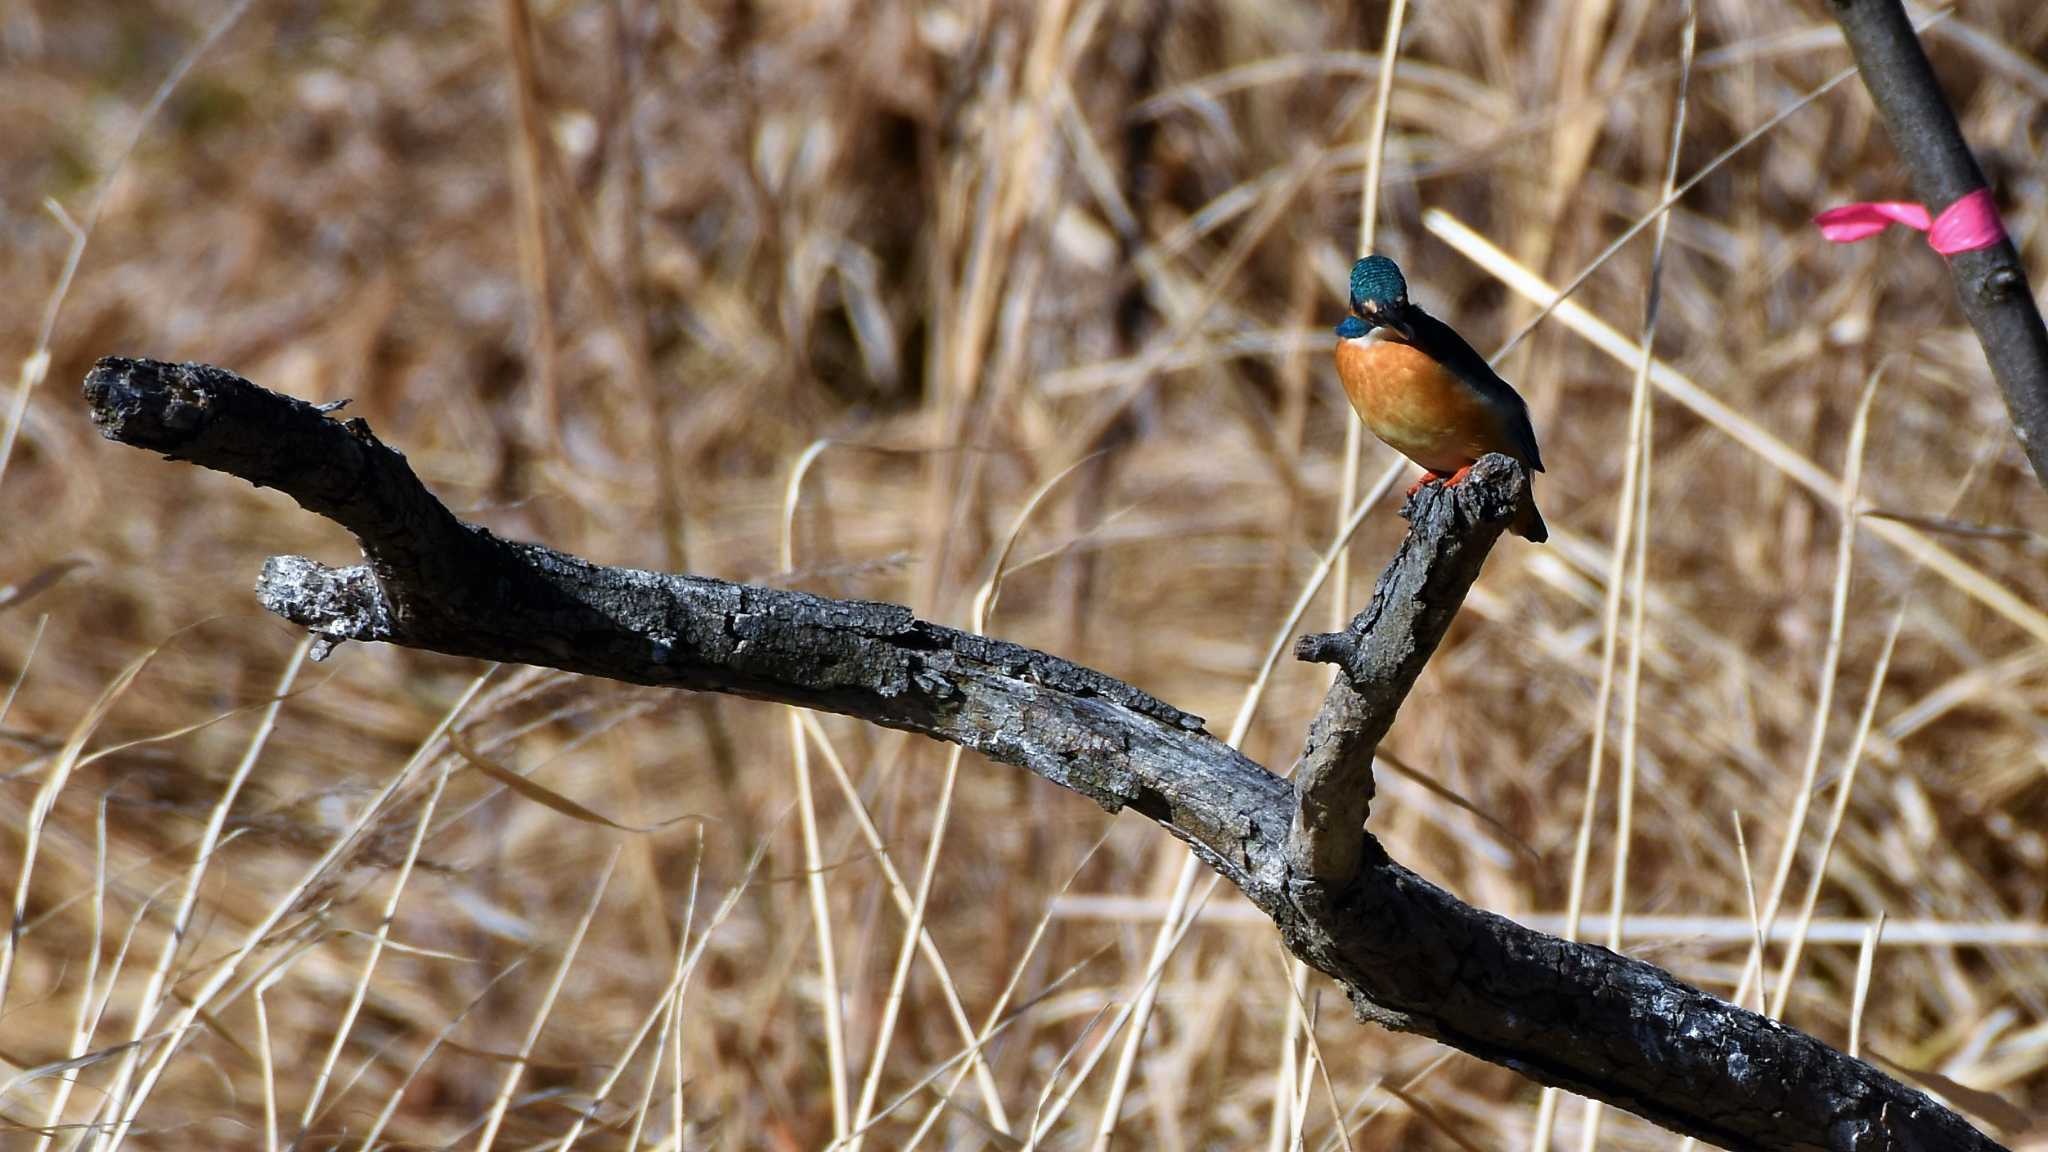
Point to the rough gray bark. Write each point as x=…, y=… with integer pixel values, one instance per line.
x=1382, y=652
x=1991, y=283
x=1410, y=955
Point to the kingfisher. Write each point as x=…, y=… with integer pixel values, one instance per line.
x=1425, y=392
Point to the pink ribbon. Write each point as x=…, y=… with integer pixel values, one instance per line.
x=1964, y=226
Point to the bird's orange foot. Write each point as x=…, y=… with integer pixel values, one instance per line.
x=1426, y=478
x=1458, y=477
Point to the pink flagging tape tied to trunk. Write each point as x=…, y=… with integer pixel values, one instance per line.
x=1964, y=226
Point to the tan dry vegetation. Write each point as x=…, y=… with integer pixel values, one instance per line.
x=605, y=296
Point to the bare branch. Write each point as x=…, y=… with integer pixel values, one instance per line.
x=1410, y=955
x=1451, y=530
x=1991, y=283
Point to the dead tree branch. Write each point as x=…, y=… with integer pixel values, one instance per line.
x=1991, y=283
x=1409, y=954
x=1382, y=652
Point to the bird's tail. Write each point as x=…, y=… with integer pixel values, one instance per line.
x=1528, y=522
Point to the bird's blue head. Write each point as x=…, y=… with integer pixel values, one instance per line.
x=1377, y=285
x=1379, y=299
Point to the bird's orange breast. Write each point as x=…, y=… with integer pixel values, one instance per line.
x=1416, y=406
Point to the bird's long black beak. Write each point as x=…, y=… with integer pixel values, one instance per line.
x=1392, y=317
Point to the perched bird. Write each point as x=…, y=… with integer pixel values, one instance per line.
x=1424, y=392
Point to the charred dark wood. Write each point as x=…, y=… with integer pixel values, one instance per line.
x=1409, y=954
x=1384, y=649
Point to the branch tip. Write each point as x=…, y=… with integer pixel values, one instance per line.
x=1451, y=531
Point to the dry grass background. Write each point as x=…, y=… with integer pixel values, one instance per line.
x=606, y=291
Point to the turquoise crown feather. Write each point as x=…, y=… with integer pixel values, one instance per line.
x=1377, y=278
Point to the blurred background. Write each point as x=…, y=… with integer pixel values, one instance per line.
x=613, y=272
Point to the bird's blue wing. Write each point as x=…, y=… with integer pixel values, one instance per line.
x=1443, y=343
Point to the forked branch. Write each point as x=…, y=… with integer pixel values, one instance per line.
x=1410, y=955
x=1382, y=652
